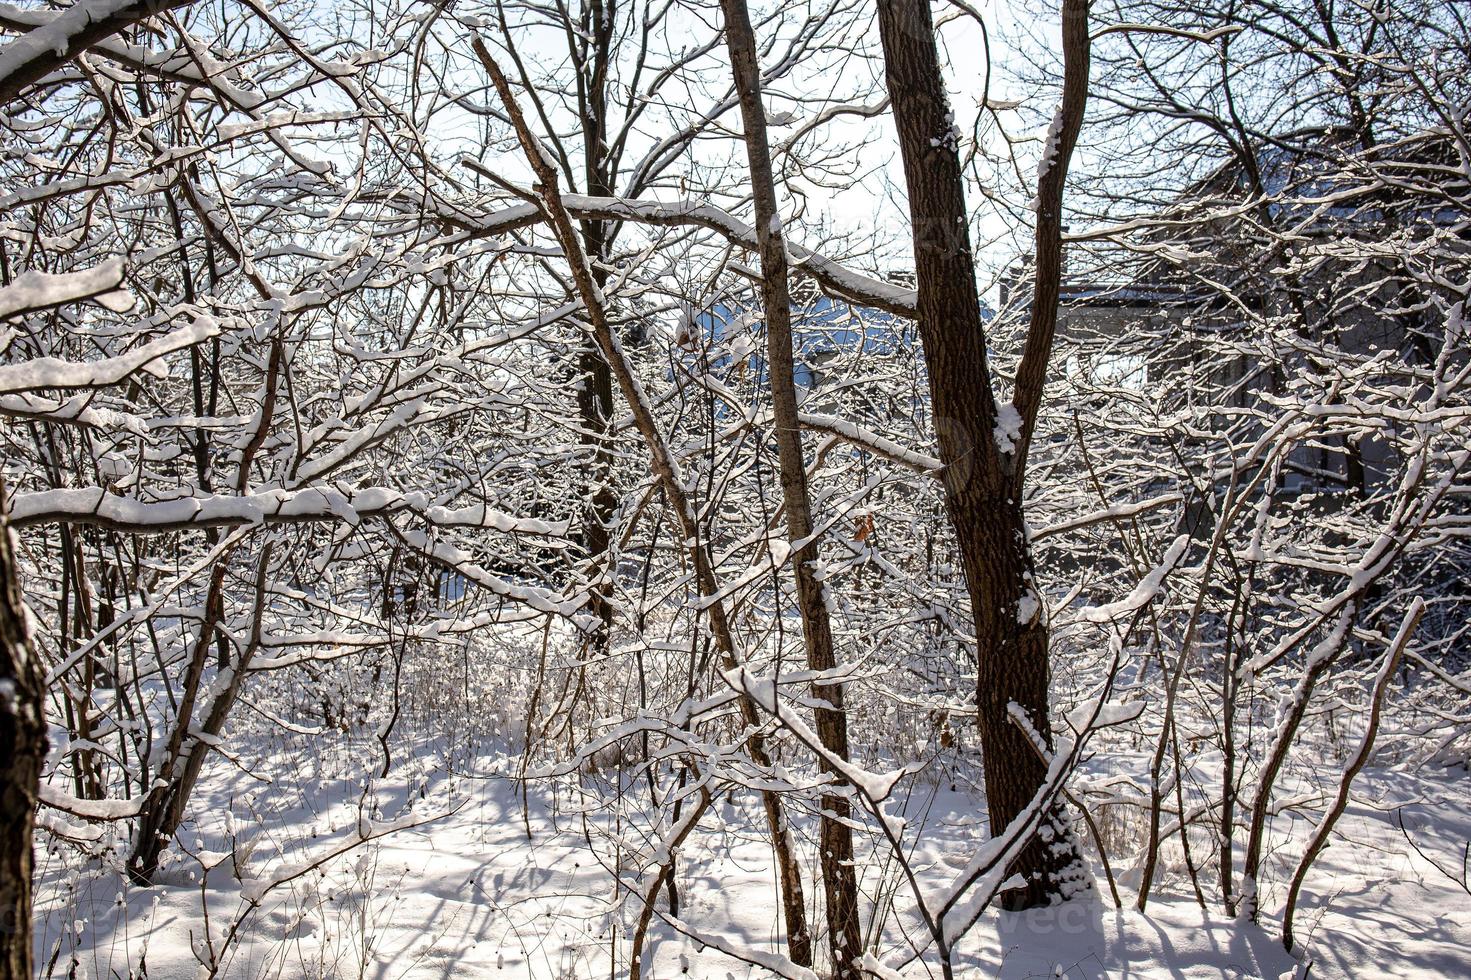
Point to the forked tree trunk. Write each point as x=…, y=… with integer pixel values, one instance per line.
x=835, y=836
x=183, y=756
x=159, y=821
x=22, y=751
x=163, y=808
x=983, y=461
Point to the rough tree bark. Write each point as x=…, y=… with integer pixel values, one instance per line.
x=22, y=751
x=595, y=394
x=983, y=447
x=835, y=836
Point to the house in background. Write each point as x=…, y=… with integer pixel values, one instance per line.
x=828, y=334
x=1313, y=269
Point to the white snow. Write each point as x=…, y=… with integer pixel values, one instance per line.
x=38, y=290
x=842, y=281
x=1050, y=147
x=1008, y=429
x=468, y=893
x=50, y=372
x=89, y=809
x=1144, y=592
x=54, y=38
x=343, y=502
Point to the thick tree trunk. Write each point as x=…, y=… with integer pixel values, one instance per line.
x=835, y=836
x=595, y=408
x=983, y=460
x=22, y=751
x=595, y=394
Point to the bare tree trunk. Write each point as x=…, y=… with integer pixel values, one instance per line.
x=22, y=751
x=1324, y=830
x=835, y=836
x=984, y=461
x=595, y=395
x=799, y=940
x=160, y=819
x=164, y=807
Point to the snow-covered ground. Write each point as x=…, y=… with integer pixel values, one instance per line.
x=488, y=889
